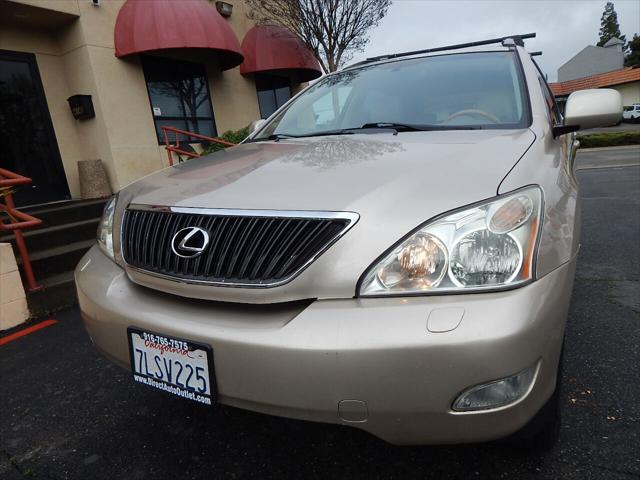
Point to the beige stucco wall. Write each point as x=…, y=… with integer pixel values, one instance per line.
x=64, y=6
x=630, y=92
x=79, y=58
x=231, y=85
x=51, y=66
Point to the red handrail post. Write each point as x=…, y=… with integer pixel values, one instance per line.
x=8, y=179
x=166, y=144
x=24, y=253
x=176, y=148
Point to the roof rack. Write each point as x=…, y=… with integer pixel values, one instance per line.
x=517, y=40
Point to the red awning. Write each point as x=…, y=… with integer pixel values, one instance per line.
x=151, y=25
x=271, y=49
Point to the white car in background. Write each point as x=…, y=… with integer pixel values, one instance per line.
x=631, y=113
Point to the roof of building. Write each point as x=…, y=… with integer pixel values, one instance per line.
x=617, y=77
x=613, y=41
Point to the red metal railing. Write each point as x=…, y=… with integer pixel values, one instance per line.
x=176, y=148
x=17, y=221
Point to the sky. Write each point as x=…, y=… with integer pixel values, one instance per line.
x=563, y=27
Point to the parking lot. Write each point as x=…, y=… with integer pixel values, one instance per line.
x=65, y=412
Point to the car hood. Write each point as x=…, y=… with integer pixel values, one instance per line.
x=394, y=182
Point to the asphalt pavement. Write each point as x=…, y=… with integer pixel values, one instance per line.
x=65, y=412
x=608, y=157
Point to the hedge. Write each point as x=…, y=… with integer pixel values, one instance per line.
x=610, y=139
x=233, y=136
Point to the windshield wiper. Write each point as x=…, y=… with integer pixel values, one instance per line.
x=273, y=136
x=398, y=127
x=370, y=128
x=410, y=127
x=280, y=136
x=375, y=127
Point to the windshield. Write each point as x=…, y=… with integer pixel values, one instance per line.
x=473, y=90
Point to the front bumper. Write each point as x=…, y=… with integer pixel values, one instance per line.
x=370, y=363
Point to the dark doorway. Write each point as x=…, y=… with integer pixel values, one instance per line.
x=26, y=134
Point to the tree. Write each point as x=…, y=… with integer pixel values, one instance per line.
x=609, y=26
x=633, y=57
x=331, y=29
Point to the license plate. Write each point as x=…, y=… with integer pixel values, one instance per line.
x=180, y=367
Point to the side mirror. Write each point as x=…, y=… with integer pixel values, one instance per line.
x=600, y=107
x=255, y=126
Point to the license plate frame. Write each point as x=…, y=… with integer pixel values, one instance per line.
x=161, y=340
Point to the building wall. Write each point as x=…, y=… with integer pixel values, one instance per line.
x=52, y=69
x=79, y=58
x=630, y=92
x=64, y=6
x=591, y=61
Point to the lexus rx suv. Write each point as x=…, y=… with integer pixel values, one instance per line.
x=393, y=249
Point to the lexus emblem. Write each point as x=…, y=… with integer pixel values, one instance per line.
x=190, y=242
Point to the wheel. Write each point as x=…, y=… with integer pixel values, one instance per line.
x=543, y=430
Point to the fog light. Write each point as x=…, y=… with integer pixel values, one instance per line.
x=496, y=394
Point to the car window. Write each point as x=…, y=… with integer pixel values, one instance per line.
x=328, y=107
x=482, y=89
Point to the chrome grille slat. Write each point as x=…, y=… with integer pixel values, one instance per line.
x=253, y=248
x=225, y=246
x=246, y=248
x=145, y=241
x=317, y=228
x=282, y=250
x=215, y=242
x=165, y=220
x=271, y=242
x=243, y=239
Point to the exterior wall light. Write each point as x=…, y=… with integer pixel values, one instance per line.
x=225, y=9
x=81, y=107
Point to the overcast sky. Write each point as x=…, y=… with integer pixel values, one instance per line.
x=564, y=27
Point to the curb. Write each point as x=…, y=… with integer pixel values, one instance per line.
x=617, y=147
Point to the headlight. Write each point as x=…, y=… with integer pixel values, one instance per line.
x=487, y=246
x=105, y=227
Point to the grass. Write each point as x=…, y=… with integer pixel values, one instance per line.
x=611, y=139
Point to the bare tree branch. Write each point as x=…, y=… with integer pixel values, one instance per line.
x=332, y=29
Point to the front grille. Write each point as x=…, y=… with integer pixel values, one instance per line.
x=253, y=248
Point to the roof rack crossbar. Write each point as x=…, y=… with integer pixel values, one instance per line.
x=517, y=40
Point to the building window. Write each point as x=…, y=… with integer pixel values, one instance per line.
x=179, y=96
x=273, y=92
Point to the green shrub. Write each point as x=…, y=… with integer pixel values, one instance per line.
x=233, y=136
x=611, y=139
